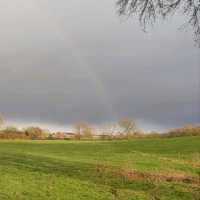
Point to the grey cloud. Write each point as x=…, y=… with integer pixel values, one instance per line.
x=64, y=62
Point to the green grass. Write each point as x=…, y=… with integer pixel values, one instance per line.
x=82, y=170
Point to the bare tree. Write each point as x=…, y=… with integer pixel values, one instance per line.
x=1, y=121
x=87, y=131
x=83, y=129
x=149, y=11
x=35, y=133
x=12, y=129
x=128, y=126
x=78, y=130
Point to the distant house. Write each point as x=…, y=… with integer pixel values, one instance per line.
x=101, y=136
x=63, y=135
x=69, y=135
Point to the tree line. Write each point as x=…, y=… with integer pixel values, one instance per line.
x=124, y=129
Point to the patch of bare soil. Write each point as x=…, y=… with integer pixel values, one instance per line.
x=155, y=177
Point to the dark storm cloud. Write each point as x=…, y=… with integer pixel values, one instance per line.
x=65, y=62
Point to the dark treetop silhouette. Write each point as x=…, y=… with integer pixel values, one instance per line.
x=149, y=10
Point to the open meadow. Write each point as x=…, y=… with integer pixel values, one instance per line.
x=138, y=169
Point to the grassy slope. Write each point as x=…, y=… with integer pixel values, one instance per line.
x=56, y=170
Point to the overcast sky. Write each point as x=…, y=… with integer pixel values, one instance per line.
x=68, y=61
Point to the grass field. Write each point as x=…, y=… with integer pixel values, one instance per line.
x=140, y=169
